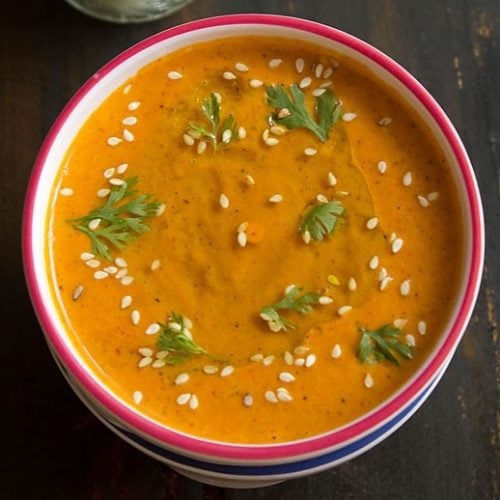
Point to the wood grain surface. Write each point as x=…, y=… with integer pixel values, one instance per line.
x=53, y=448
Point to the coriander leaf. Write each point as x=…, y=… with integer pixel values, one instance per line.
x=327, y=108
x=119, y=223
x=322, y=219
x=377, y=345
x=291, y=301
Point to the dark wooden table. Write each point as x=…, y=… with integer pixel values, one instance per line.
x=53, y=448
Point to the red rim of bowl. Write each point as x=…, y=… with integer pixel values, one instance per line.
x=229, y=451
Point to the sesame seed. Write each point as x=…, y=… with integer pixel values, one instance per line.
x=120, y=262
x=372, y=223
x=241, y=67
x=227, y=135
x=305, y=82
x=137, y=397
x=202, y=146
x=248, y=400
x=174, y=326
x=113, y=141
x=385, y=282
x=382, y=167
x=368, y=381
x=385, y=121
x=270, y=397
x=310, y=360
x=255, y=84
x=242, y=227
x=286, y=377
x=249, y=180
x=332, y=180
x=115, y=181
x=318, y=70
x=310, y=151
x=325, y=84
x=327, y=73
x=145, y=351
x=336, y=351
x=405, y=288
x=109, y=172
x=127, y=135
x=121, y=273
x=256, y=358
x=161, y=209
x=277, y=130
x=210, y=369
x=274, y=63
x=271, y=141
x=349, y=117
x=111, y=269
x=133, y=105
x=433, y=196
x=299, y=362
x=242, y=133
x=94, y=224
x=400, y=322
x=162, y=354
x=158, y=363
x=276, y=198
x=382, y=274
x=218, y=97
x=397, y=245
x=289, y=288
x=341, y=311
x=135, y=317
x=288, y=358
x=182, y=378
x=130, y=121
x=410, y=340
x=318, y=92
x=188, y=140
x=183, y=398
x=66, y=192
x=102, y=193
x=94, y=263
x=306, y=236
x=301, y=350
x=127, y=88
x=77, y=292
x=352, y=285
x=226, y=371
x=86, y=256
x=100, y=275
x=127, y=280
x=145, y=361
x=422, y=327
x=155, y=265
x=407, y=179
x=373, y=264
x=322, y=198
x=152, y=329
x=174, y=75
x=268, y=360
x=324, y=300
x=242, y=239
x=283, y=113
x=424, y=202
x=299, y=65
x=283, y=395
x=223, y=201
x=125, y=302
x=228, y=75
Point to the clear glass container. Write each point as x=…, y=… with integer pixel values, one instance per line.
x=128, y=11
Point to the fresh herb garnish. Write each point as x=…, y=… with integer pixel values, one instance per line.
x=216, y=133
x=321, y=219
x=327, y=109
x=117, y=224
x=377, y=345
x=292, y=300
x=175, y=338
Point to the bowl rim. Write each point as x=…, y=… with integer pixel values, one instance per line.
x=243, y=452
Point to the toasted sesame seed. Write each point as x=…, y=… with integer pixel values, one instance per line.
x=145, y=361
x=374, y=262
x=113, y=141
x=310, y=151
x=382, y=167
x=424, y=202
x=115, y=181
x=433, y=196
x=299, y=64
x=145, y=351
x=228, y=75
x=318, y=92
x=152, y=329
x=283, y=395
x=158, y=363
x=382, y=274
x=368, y=381
x=400, y=322
x=332, y=180
x=305, y=82
x=268, y=360
x=278, y=130
x=111, y=269
x=271, y=141
x=242, y=133
x=318, y=70
x=410, y=340
x=134, y=105
x=324, y=300
x=407, y=179
x=327, y=73
x=210, y=369
x=306, y=236
x=66, y=192
x=372, y=223
x=255, y=84
x=256, y=358
x=93, y=263
x=299, y=362
x=161, y=209
x=288, y=358
x=286, y=377
x=397, y=245
x=242, y=239
x=336, y=351
x=274, y=63
x=333, y=280
x=276, y=198
x=422, y=327
x=241, y=67
x=94, y=224
x=310, y=360
x=385, y=282
x=341, y=311
x=100, y=275
x=405, y=287
x=135, y=317
x=127, y=88
x=202, y=146
x=322, y=198
x=182, y=399
x=155, y=265
x=385, y=121
x=352, y=284
x=174, y=75
x=86, y=256
x=249, y=180
x=137, y=397
x=349, y=117
x=125, y=302
x=127, y=280
x=188, y=140
x=127, y=135
x=248, y=400
x=77, y=292
x=182, y=378
x=270, y=397
x=227, y=135
x=227, y=370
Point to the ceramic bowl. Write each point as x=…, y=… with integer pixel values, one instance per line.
x=221, y=463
